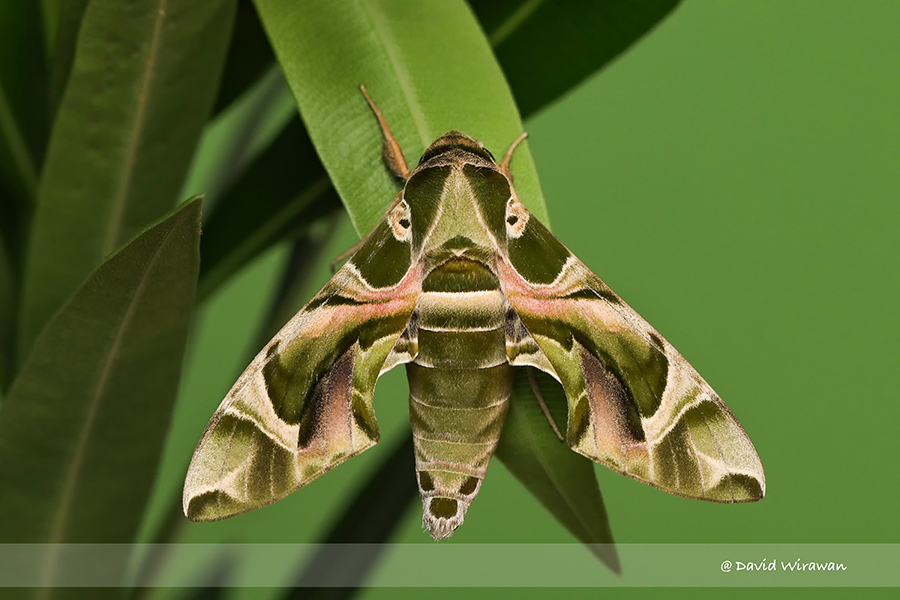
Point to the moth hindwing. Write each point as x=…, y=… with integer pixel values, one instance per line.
x=462, y=284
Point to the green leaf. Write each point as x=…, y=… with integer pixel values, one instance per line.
x=82, y=428
x=235, y=137
x=563, y=481
x=61, y=44
x=548, y=48
x=371, y=518
x=399, y=51
x=249, y=56
x=265, y=207
x=23, y=117
x=7, y=318
x=141, y=88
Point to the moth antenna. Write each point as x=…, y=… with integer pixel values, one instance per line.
x=391, y=152
x=504, y=164
x=537, y=393
x=346, y=254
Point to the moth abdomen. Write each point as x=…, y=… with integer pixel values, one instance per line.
x=459, y=388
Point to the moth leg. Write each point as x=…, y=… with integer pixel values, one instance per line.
x=504, y=164
x=391, y=152
x=540, y=398
x=352, y=249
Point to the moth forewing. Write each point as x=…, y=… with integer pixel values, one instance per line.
x=462, y=284
x=635, y=404
x=304, y=405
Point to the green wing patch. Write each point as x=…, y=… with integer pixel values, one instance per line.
x=635, y=404
x=304, y=405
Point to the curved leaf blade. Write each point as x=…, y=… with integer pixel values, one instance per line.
x=23, y=118
x=548, y=48
x=8, y=289
x=83, y=425
x=327, y=49
x=61, y=45
x=563, y=481
x=141, y=87
x=249, y=56
x=265, y=206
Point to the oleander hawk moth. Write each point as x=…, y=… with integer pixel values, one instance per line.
x=462, y=284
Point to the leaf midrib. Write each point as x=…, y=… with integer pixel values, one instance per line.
x=77, y=459
x=114, y=231
x=403, y=78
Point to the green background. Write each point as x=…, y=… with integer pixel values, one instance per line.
x=734, y=177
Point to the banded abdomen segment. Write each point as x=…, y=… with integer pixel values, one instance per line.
x=459, y=386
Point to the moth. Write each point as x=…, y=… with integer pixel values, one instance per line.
x=460, y=283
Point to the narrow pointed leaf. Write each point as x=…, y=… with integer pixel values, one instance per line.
x=563, y=481
x=234, y=138
x=83, y=425
x=8, y=289
x=372, y=517
x=249, y=56
x=265, y=207
x=548, y=48
x=141, y=88
x=23, y=120
x=400, y=52
x=61, y=48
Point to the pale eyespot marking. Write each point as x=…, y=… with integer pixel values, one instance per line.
x=516, y=218
x=399, y=220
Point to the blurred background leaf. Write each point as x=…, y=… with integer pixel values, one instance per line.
x=562, y=480
x=249, y=56
x=62, y=20
x=117, y=159
x=23, y=124
x=8, y=289
x=86, y=417
x=265, y=206
x=548, y=48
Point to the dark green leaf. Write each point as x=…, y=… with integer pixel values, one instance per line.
x=426, y=64
x=23, y=118
x=266, y=206
x=306, y=253
x=8, y=289
x=237, y=136
x=370, y=518
x=141, y=88
x=548, y=48
x=84, y=422
x=61, y=46
x=249, y=56
x=562, y=480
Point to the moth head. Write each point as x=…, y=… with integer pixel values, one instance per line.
x=456, y=141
